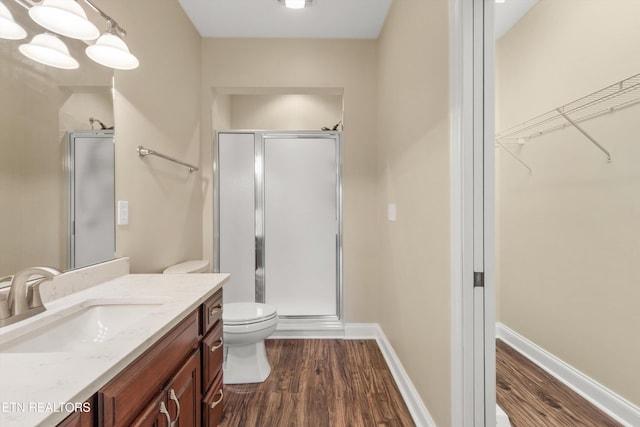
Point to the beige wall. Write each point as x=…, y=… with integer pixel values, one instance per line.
x=413, y=172
x=285, y=111
x=74, y=114
x=232, y=65
x=569, y=234
x=158, y=106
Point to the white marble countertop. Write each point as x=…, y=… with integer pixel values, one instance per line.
x=34, y=386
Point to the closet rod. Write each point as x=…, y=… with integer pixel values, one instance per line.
x=148, y=152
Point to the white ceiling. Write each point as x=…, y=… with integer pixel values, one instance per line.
x=508, y=13
x=335, y=19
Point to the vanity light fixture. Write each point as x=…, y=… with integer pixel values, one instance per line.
x=9, y=28
x=296, y=4
x=64, y=17
x=68, y=18
x=48, y=49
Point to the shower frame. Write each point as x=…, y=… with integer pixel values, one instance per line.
x=323, y=322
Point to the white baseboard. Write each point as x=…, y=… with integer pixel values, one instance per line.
x=372, y=331
x=502, y=419
x=419, y=412
x=603, y=398
x=308, y=328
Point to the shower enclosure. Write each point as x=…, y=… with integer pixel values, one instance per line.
x=91, y=188
x=278, y=222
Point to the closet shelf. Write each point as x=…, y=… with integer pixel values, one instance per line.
x=609, y=99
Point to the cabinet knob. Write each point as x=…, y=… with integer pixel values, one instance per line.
x=172, y=396
x=215, y=403
x=216, y=346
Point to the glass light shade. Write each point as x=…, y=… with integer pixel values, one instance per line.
x=65, y=17
x=9, y=29
x=49, y=50
x=111, y=51
x=295, y=4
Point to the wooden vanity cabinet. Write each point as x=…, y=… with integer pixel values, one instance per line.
x=175, y=383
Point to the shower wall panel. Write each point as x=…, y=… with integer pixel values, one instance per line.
x=236, y=176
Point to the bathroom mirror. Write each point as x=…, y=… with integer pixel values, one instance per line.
x=39, y=106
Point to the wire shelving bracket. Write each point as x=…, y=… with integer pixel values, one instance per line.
x=607, y=100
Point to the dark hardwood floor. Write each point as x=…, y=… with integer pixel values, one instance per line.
x=319, y=383
x=531, y=397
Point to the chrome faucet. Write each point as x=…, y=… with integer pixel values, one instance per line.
x=24, y=299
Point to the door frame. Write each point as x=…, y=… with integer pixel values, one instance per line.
x=471, y=45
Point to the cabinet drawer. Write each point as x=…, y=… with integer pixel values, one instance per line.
x=213, y=403
x=212, y=351
x=127, y=394
x=211, y=311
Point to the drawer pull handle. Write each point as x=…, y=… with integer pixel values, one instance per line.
x=214, y=404
x=163, y=410
x=172, y=396
x=215, y=310
x=216, y=346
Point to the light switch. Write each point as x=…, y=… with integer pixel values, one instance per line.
x=123, y=212
x=391, y=211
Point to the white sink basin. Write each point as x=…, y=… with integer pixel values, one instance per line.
x=78, y=327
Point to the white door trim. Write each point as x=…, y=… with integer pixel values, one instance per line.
x=471, y=104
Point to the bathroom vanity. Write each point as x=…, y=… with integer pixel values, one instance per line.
x=162, y=368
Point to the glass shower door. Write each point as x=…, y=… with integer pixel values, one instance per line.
x=301, y=225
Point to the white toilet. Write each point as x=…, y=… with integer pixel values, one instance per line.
x=245, y=326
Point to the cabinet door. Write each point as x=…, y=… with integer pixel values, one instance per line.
x=184, y=394
x=155, y=414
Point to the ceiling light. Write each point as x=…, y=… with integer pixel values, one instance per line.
x=111, y=51
x=9, y=29
x=296, y=4
x=65, y=17
x=49, y=50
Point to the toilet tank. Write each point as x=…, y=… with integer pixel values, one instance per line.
x=193, y=266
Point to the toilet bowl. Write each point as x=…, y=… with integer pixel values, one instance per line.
x=245, y=326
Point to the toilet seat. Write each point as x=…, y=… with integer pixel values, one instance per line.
x=247, y=313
